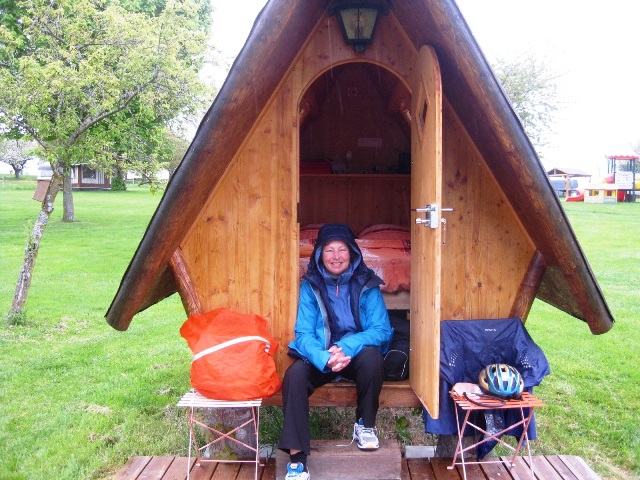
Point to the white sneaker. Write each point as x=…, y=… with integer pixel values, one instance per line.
x=295, y=471
x=366, y=437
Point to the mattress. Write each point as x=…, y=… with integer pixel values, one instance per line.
x=389, y=259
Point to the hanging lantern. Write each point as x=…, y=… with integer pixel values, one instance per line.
x=358, y=22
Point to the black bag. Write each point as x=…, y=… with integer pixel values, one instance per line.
x=396, y=361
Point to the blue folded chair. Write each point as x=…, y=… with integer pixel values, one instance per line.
x=466, y=347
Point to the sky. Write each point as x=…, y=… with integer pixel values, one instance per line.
x=594, y=48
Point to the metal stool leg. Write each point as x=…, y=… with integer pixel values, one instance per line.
x=193, y=400
x=191, y=439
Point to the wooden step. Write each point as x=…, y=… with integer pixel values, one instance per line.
x=330, y=462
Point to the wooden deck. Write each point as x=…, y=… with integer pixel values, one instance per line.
x=553, y=467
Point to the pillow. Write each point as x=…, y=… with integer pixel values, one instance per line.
x=385, y=231
x=310, y=231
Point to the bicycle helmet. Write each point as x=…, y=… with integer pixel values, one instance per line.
x=501, y=380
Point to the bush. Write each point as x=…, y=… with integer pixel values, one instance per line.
x=118, y=185
x=16, y=318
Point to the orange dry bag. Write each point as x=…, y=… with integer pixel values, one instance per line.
x=232, y=355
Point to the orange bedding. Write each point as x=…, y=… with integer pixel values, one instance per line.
x=390, y=259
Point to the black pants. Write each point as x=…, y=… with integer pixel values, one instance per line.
x=302, y=378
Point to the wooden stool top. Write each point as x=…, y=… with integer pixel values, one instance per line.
x=194, y=399
x=527, y=401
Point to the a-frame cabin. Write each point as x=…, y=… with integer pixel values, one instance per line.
x=227, y=231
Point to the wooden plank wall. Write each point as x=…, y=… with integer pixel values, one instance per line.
x=243, y=250
x=357, y=200
x=487, y=251
x=355, y=111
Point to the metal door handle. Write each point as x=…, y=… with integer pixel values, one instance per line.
x=431, y=217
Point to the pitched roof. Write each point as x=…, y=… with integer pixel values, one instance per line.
x=470, y=87
x=573, y=172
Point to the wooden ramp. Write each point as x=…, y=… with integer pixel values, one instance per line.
x=551, y=467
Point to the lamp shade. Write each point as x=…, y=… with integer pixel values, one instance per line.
x=358, y=23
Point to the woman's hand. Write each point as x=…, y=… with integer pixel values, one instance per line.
x=338, y=360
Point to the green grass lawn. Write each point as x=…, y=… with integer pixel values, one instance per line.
x=593, y=392
x=77, y=398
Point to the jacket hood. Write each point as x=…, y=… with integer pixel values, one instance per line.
x=335, y=231
x=361, y=276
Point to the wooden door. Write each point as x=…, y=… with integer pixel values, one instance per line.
x=426, y=191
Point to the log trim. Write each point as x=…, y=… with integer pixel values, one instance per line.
x=186, y=287
x=529, y=287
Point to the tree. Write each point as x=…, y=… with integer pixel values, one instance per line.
x=154, y=8
x=636, y=150
x=180, y=146
x=83, y=74
x=152, y=152
x=141, y=147
x=16, y=153
x=10, y=15
x=532, y=88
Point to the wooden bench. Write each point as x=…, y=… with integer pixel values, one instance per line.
x=343, y=394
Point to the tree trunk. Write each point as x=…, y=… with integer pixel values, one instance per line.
x=33, y=245
x=447, y=445
x=17, y=173
x=67, y=198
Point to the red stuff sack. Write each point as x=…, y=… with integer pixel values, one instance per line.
x=232, y=355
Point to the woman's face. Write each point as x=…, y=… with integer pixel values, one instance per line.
x=336, y=256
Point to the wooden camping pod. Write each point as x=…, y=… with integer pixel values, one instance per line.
x=226, y=233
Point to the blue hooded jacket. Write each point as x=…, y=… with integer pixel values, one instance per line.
x=317, y=318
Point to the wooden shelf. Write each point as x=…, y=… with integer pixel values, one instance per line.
x=357, y=175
